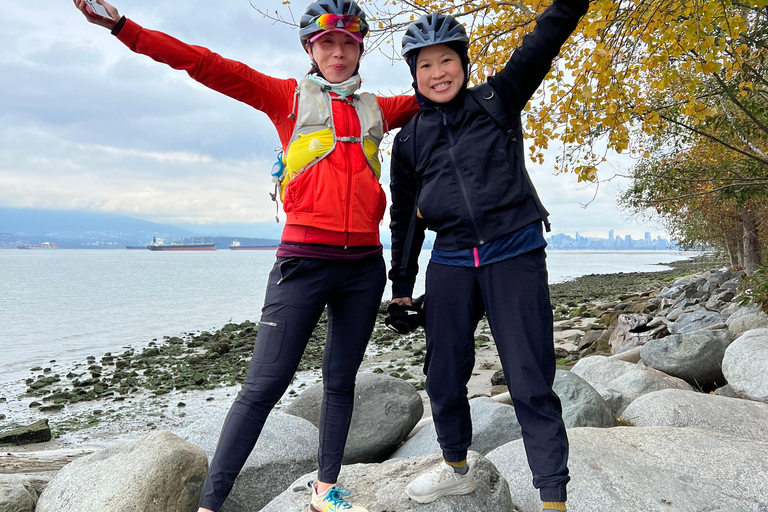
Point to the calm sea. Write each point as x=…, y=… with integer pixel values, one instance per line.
x=64, y=305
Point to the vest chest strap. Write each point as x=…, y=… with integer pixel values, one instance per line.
x=354, y=140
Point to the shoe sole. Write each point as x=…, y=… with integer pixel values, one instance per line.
x=452, y=491
x=313, y=509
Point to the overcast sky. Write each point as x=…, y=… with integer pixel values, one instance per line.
x=86, y=124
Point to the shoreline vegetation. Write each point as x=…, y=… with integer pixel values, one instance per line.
x=139, y=390
x=607, y=287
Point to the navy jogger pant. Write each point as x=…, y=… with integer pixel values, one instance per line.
x=515, y=296
x=298, y=291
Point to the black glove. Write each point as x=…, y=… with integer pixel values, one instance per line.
x=404, y=319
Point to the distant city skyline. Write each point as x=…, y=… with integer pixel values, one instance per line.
x=565, y=241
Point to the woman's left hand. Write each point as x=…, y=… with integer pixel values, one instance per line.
x=98, y=20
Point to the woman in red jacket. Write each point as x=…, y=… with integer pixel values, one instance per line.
x=330, y=254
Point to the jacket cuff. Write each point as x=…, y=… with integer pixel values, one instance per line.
x=128, y=31
x=402, y=288
x=118, y=26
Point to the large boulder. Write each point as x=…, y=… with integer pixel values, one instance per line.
x=630, y=332
x=745, y=365
x=287, y=448
x=493, y=424
x=678, y=308
x=720, y=301
x=582, y=404
x=386, y=410
x=37, y=432
x=695, y=357
x=676, y=408
x=653, y=469
x=674, y=290
x=745, y=319
x=600, y=369
x=19, y=493
x=729, y=309
x=626, y=388
x=620, y=382
x=381, y=487
x=158, y=472
x=699, y=318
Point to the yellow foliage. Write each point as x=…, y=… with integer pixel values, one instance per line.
x=630, y=66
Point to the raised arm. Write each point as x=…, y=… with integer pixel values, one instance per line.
x=531, y=62
x=232, y=78
x=404, y=189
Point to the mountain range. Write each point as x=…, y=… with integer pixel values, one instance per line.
x=82, y=229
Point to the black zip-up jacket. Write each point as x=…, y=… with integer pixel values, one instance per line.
x=466, y=174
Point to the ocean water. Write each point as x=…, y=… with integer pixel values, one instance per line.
x=64, y=305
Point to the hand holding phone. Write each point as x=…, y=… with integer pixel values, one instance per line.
x=98, y=12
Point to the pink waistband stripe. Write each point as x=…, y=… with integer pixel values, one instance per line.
x=477, y=257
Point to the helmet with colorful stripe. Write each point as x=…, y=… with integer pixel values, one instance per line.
x=432, y=29
x=332, y=15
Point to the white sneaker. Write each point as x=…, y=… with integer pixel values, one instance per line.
x=442, y=481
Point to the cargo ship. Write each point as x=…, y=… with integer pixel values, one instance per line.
x=237, y=246
x=158, y=244
x=136, y=247
x=44, y=245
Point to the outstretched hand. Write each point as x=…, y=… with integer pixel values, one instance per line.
x=98, y=20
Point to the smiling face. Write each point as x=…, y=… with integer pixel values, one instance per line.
x=439, y=74
x=336, y=54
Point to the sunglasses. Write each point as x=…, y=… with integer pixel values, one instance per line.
x=348, y=22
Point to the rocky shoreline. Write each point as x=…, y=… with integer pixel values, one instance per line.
x=661, y=378
x=172, y=381
x=610, y=287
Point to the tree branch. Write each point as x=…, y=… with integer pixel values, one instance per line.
x=713, y=138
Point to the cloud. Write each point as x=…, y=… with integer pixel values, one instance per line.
x=166, y=187
x=87, y=124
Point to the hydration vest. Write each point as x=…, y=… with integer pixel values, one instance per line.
x=314, y=136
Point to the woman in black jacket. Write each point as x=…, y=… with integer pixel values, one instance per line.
x=458, y=169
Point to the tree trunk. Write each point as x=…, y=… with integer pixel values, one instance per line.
x=752, y=252
x=728, y=250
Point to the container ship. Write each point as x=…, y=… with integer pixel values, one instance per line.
x=44, y=245
x=158, y=244
x=237, y=246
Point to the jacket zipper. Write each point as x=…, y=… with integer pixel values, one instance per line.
x=462, y=185
x=349, y=180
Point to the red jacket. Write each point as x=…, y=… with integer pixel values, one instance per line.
x=337, y=201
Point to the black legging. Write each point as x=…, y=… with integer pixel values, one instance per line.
x=298, y=291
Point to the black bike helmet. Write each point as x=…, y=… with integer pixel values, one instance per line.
x=308, y=24
x=431, y=29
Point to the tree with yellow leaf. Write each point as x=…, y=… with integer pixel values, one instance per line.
x=680, y=85
x=632, y=68
x=652, y=78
